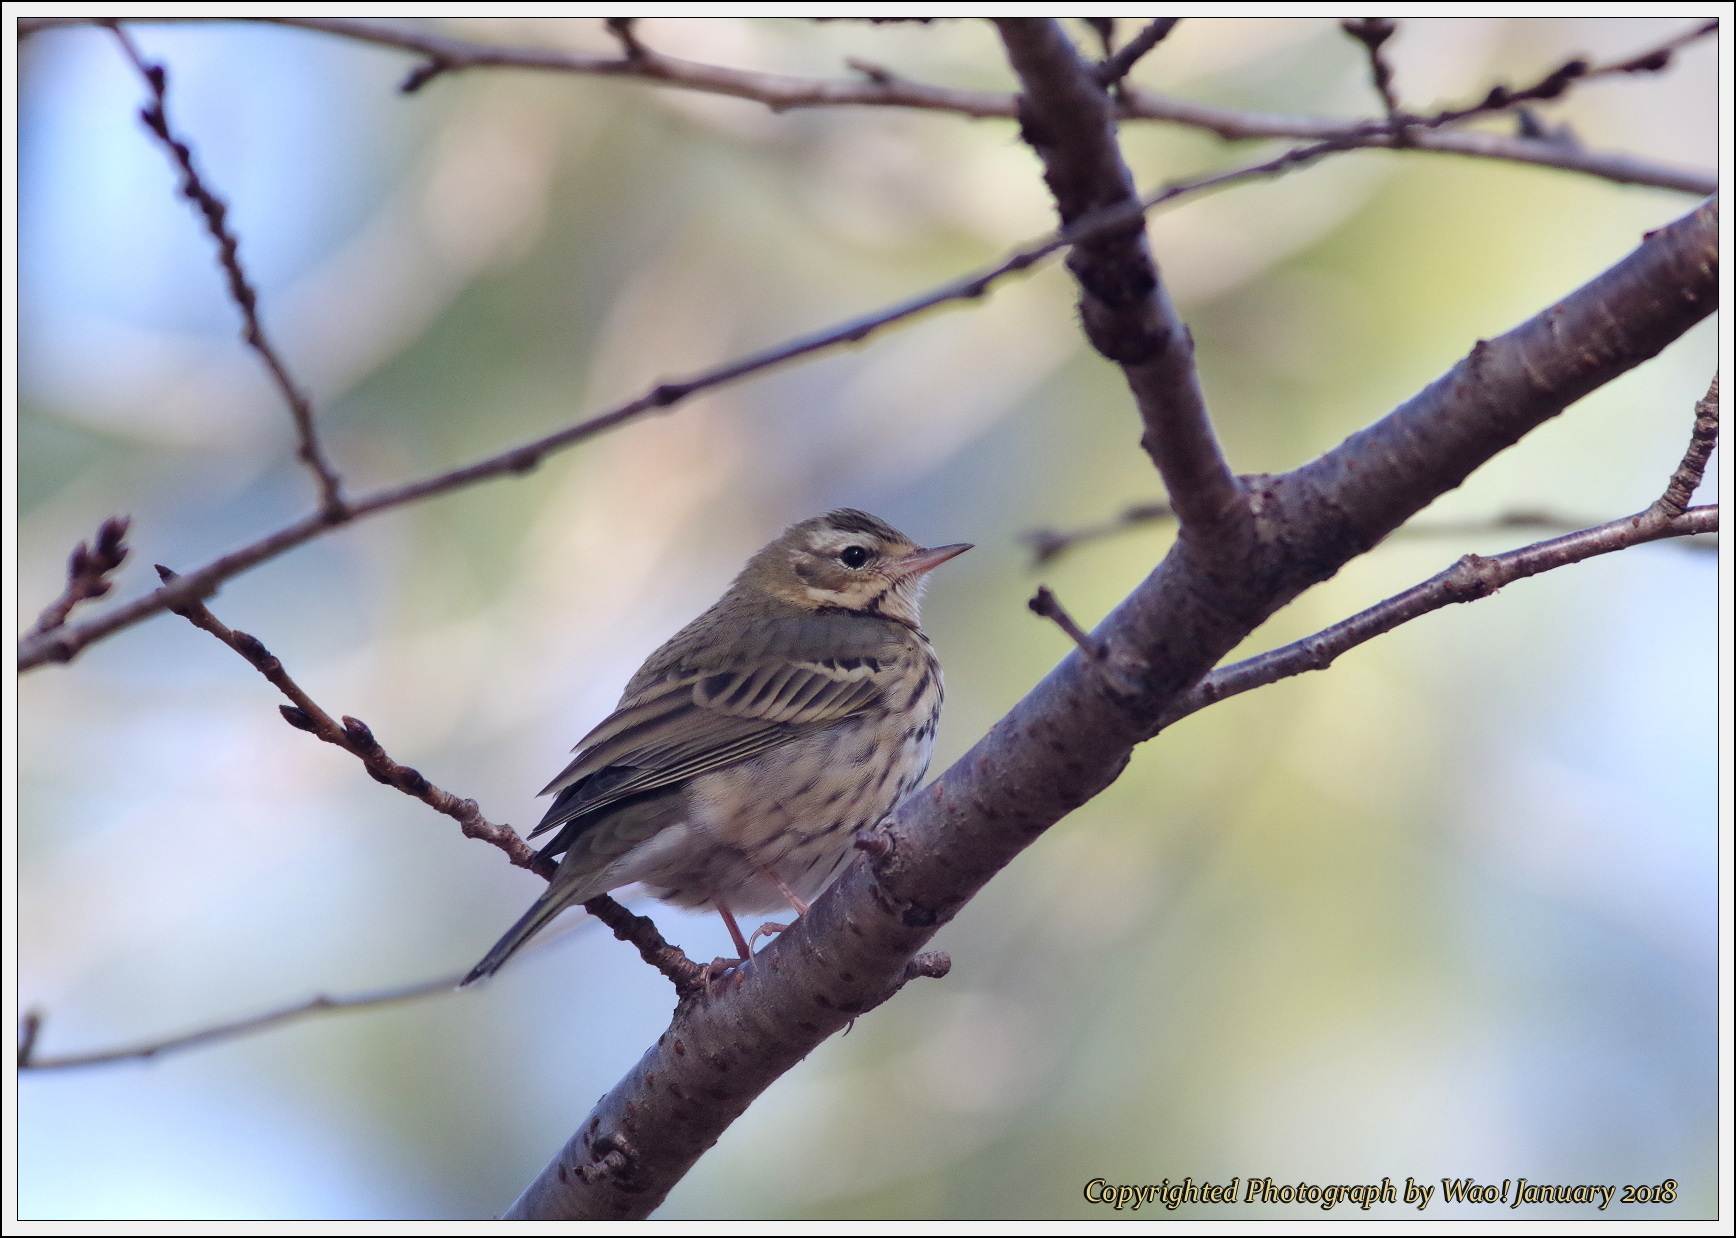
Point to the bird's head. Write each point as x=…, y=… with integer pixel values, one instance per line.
x=846, y=560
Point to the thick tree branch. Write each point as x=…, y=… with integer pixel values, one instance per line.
x=1071, y=735
x=1499, y=393
x=781, y=92
x=216, y=216
x=1066, y=115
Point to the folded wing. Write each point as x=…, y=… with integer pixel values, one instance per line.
x=683, y=725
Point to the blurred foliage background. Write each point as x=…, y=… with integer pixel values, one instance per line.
x=1449, y=909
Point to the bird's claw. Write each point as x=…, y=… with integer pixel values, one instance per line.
x=734, y=970
x=764, y=930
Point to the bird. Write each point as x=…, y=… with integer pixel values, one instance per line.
x=749, y=750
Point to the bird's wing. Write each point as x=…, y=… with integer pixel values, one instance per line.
x=675, y=728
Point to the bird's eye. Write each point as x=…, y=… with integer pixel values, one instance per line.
x=853, y=556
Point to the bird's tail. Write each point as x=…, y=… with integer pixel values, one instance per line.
x=554, y=901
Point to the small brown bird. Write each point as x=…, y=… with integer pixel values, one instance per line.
x=749, y=750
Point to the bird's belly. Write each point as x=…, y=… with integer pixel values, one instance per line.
x=794, y=811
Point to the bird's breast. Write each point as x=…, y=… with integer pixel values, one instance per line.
x=796, y=809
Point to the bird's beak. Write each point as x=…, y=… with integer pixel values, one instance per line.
x=924, y=560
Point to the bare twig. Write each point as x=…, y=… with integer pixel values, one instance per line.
x=156, y=118
x=1104, y=29
x=622, y=29
x=781, y=92
x=29, y=1029
x=1236, y=125
x=1472, y=577
x=688, y=977
x=1049, y=544
x=264, y=1021
x=354, y=737
x=62, y=645
x=320, y=1004
x=1118, y=667
x=1559, y=80
x=1046, y=604
x=1689, y=473
x=1659, y=57
x=1066, y=116
x=1475, y=576
x=1117, y=65
x=1372, y=33
x=87, y=572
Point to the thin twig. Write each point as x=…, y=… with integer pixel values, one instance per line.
x=1046, y=604
x=87, y=572
x=1113, y=665
x=354, y=736
x=1372, y=33
x=688, y=977
x=622, y=29
x=29, y=1029
x=1049, y=544
x=62, y=645
x=1659, y=57
x=1692, y=470
x=1104, y=29
x=1118, y=65
x=320, y=1004
x=781, y=92
x=1559, y=80
x=234, y=1028
x=215, y=214
x=1472, y=577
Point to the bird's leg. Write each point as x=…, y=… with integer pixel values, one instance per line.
x=795, y=900
x=717, y=969
x=741, y=944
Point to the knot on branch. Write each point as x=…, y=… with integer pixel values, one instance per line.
x=933, y=965
x=1471, y=578
x=613, y=1156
